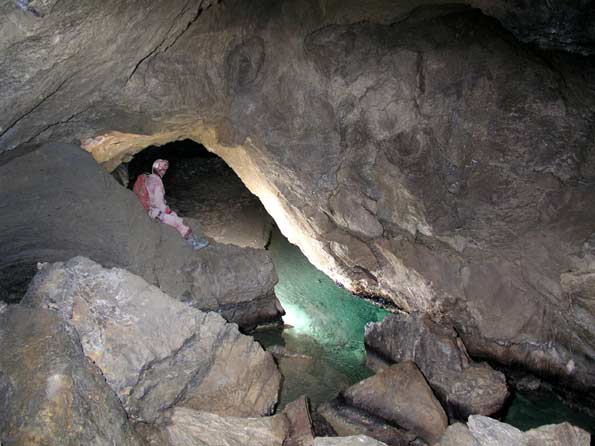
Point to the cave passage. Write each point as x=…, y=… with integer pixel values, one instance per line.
x=323, y=338
x=199, y=185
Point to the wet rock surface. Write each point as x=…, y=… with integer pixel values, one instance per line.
x=155, y=351
x=463, y=386
x=49, y=392
x=57, y=204
x=422, y=155
x=401, y=395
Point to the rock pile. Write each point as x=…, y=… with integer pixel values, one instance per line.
x=463, y=386
x=422, y=369
x=396, y=406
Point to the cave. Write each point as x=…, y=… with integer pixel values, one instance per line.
x=398, y=202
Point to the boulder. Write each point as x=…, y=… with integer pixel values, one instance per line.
x=71, y=206
x=463, y=386
x=236, y=282
x=400, y=395
x=563, y=434
x=355, y=440
x=457, y=434
x=186, y=427
x=489, y=432
x=156, y=351
x=347, y=420
x=50, y=393
x=300, y=430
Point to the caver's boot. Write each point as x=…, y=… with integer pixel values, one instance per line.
x=196, y=241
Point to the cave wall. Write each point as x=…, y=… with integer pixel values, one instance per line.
x=426, y=156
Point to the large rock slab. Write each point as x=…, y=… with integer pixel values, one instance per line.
x=187, y=427
x=300, y=431
x=58, y=203
x=463, y=386
x=49, y=392
x=401, y=395
x=347, y=420
x=156, y=351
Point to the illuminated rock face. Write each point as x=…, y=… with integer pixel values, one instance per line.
x=154, y=351
x=434, y=161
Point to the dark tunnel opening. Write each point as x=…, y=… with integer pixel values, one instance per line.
x=200, y=186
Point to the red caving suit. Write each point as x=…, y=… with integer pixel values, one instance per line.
x=158, y=208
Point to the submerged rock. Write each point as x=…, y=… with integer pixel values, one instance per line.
x=400, y=395
x=50, y=394
x=156, y=351
x=463, y=386
x=74, y=207
x=187, y=427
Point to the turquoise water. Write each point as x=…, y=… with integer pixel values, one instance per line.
x=328, y=328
